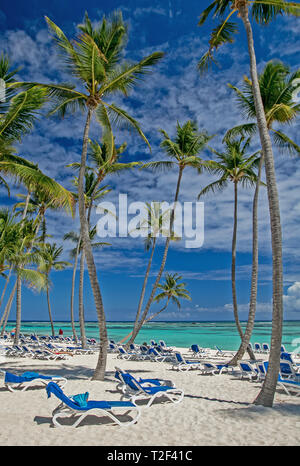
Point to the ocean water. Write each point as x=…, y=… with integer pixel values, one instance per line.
x=181, y=334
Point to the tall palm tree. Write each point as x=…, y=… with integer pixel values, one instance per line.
x=236, y=166
x=277, y=88
x=263, y=12
x=183, y=152
x=95, y=59
x=154, y=224
x=49, y=255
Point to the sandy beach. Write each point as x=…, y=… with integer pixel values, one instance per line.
x=216, y=410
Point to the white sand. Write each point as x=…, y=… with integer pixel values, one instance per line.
x=216, y=410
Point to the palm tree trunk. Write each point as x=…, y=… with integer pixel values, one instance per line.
x=143, y=290
x=50, y=313
x=80, y=300
x=99, y=372
x=233, y=270
x=254, y=276
x=7, y=309
x=18, y=311
x=144, y=315
x=157, y=313
x=233, y=264
x=73, y=291
x=148, y=319
x=5, y=286
x=266, y=395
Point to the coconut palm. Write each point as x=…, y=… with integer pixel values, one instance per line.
x=172, y=290
x=95, y=59
x=22, y=259
x=183, y=152
x=74, y=254
x=236, y=166
x=263, y=12
x=49, y=255
x=156, y=223
x=277, y=88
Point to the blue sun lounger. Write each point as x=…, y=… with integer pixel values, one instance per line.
x=215, y=369
x=182, y=364
x=70, y=406
x=136, y=390
x=22, y=382
x=148, y=382
x=289, y=386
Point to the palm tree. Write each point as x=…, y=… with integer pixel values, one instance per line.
x=155, y=224
x=236, y=166
x=94, y=245
x=20, y=259
x=50, y=254
x=95, y=59
x=277, y=87
x=263, y=12
x=183, y=152
x=172, y=291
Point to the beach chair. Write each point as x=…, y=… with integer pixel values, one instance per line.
x=222, y=353
x=265, y=348
x=282, y=349
x=181, y=364
x=262, y=367
x=155, y=356
x=22, y=382
x=289, y=386
x=197, y=351
x=164, y=346
x=123, y=354
x=147, y=382
x=257, y=348
x=287, y=371
x=248, y=371
x=70, y=406
x=215, y=369
x=288, y=357
x=137, y=391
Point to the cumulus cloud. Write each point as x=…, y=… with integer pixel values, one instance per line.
x=291, y=300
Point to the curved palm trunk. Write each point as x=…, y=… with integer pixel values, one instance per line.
x=143, y=290
x=18, y=311
x=5, y=286
x=148, y=319
x=50, y=313
x=7, y=309
x=266, y=395
x=80, y=300
x=144, y=315
x=233, y=271
x=254, y=276
x=73, y=292
x=157, y=313
x=99, y=372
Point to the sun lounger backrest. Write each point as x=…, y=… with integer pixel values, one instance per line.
x=130, y=381
x=286, y=368
x=52, y=387
x=179, y=357
x=286, y=357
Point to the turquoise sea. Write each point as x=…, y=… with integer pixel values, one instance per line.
x=182, y=334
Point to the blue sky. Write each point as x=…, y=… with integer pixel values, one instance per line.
x=174, y=92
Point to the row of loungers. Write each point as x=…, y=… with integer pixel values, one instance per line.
x=131, y=390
